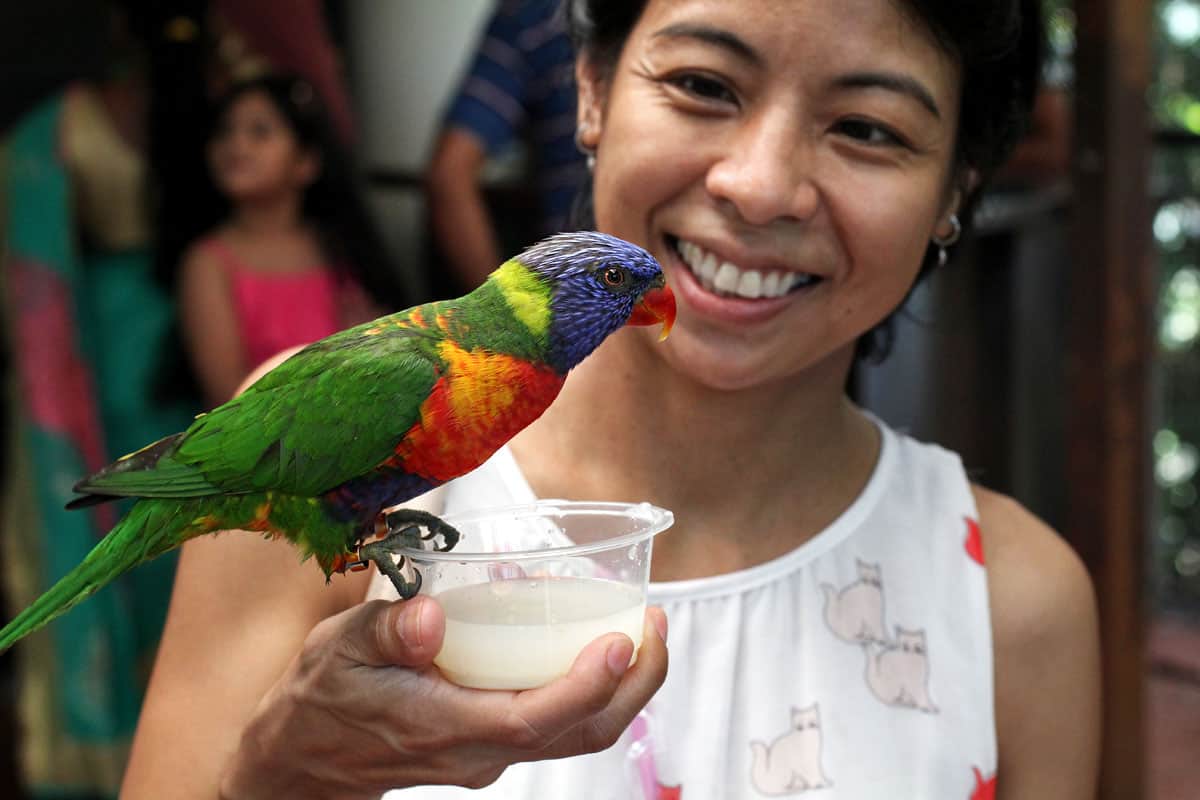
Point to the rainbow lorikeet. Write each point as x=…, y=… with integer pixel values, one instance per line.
x=353, y=424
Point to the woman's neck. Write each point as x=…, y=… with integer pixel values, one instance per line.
x=782, y=464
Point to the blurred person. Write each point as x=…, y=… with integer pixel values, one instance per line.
x=520, y=87
x=89, y=328
x=295, y=255
x=289, y=36
x=199, y=50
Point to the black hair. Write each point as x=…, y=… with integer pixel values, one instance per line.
x=334, y=201
x=999, y=45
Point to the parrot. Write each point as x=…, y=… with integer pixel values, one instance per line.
x=321, y=448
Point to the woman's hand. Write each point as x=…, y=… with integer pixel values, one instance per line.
x=361, y=710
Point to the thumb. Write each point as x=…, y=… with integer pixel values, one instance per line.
x=405, y=633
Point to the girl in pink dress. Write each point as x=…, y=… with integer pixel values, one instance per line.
x=295, y=258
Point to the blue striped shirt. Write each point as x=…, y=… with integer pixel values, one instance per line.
x=523, y=81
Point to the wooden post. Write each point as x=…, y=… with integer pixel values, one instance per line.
x=1109, y=353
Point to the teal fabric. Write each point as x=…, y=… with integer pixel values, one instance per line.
x=129, y=319
x=88, y=332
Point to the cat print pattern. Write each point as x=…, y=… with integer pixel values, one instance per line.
x=791, y=763
x=855, y=614
x=896, y=670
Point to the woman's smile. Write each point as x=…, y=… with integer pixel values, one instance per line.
x=727, y=279
x=720, y=287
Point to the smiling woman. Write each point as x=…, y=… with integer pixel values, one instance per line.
x=821, y=152
x=849, y=613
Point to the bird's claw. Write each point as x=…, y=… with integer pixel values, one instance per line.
x=381, y=553
x=410, y=522
x=404, y=531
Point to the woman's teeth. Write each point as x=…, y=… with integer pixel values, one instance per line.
x=724, y=278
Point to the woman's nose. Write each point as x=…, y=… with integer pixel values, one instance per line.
x=766, y=173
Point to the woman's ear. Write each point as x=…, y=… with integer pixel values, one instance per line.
x=965, y=182
x=589, y=114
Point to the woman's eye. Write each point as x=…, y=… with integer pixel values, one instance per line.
x=614, y=277
x=869, y=132
x=703, y=87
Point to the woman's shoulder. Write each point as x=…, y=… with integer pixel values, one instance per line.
x=1046, y=646
x=1039, y=587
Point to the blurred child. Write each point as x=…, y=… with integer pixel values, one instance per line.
x=295, y=257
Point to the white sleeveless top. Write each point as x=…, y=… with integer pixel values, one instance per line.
x=859, y=665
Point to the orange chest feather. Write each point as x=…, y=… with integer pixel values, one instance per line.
x=480, y=403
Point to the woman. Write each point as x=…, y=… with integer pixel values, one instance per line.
x=849, y=615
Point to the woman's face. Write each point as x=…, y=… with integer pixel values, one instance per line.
x=255, y=154
x=786, y=161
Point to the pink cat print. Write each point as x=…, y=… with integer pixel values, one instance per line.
x=898, y=672
x=792, y=763
x=855, y=613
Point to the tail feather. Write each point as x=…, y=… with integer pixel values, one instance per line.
x=150, y=529
x=149, y=472
x=137, y=461
x=89, y=500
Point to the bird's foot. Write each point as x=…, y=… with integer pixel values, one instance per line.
x=404, y=531
x=381, y=552
x=409, y=521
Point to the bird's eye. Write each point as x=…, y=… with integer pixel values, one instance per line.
x=614, y=277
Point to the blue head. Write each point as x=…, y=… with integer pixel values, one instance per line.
x=598, y=284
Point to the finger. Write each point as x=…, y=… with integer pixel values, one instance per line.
x=646, y=676
x=405, y=633
x=633, y=692
x=658, y=617
x=600, y=682
x=544, y=714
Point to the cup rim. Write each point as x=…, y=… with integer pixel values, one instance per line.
x=656, y=520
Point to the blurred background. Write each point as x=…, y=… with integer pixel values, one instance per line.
x=1059, y=352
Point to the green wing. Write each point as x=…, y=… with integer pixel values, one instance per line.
x=331, y=412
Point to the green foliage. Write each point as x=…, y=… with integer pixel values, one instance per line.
x=1174, y=106
x=1175, y=86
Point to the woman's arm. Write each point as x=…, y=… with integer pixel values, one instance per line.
x=240, y=611
x=1047, y=656
x=210, y=327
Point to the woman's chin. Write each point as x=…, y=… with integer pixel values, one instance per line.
x=714, y=365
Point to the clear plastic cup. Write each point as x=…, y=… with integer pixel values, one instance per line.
x=528, y=586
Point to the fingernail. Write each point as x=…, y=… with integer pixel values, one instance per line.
x=660, y=624
x=410, y=626
x=617, y=658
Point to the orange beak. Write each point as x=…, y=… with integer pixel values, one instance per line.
x=657, y=305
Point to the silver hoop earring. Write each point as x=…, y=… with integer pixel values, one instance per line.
x=944, y=242
x=588, y=152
